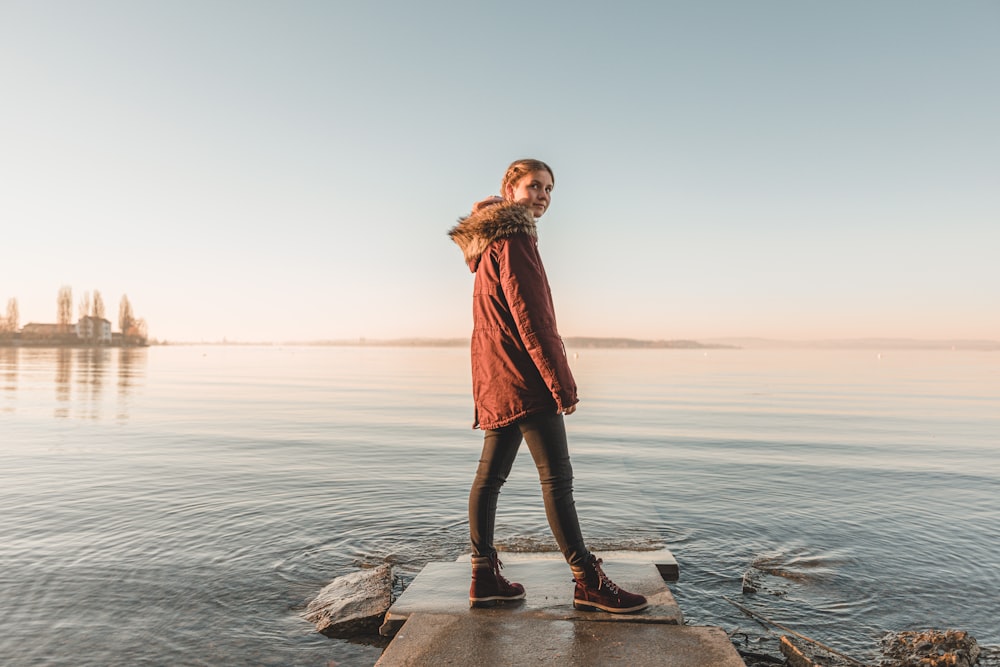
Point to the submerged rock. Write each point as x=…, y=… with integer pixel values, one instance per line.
x=751, y=582
x=354, y=604
x=929, y=648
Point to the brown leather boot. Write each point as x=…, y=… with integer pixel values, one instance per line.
x=488, y=585
x=595, y=591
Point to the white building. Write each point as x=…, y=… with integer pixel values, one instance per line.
x=94, y=329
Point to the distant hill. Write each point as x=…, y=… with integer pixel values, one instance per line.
x=860, y=344
x=572, y=341
x=634, y=343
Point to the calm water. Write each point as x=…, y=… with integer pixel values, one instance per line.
x=181, y=505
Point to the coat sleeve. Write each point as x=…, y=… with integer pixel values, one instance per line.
x=526, y=287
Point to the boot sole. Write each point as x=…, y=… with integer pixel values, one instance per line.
x=493, y=600
x=591, y=606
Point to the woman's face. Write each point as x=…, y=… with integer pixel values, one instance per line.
x=534, y=190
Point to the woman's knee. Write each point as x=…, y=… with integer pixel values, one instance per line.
x=488, y=479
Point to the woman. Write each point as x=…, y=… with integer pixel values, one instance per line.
x=522, y=387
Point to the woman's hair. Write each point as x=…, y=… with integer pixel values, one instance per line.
x=521, y=168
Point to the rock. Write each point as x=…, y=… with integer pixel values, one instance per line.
x=929, y=648
x=354, y=604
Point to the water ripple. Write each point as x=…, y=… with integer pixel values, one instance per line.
x=213, y=491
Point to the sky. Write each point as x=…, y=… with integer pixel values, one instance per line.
x=287, y=171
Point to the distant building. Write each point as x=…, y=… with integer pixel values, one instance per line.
x=94, y=329
x=39, y=331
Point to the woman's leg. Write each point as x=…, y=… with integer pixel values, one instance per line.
x=499, y=450
x=546, y=438
x=488, y=585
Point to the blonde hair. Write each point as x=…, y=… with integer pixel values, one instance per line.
x=521, y=168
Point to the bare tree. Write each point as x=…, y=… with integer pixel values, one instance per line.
x=84, y=306
x=13, y=316
x=140, y=329
x=98, y=310
x=125, y=317
x=65, y=308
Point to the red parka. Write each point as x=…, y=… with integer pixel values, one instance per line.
x=519, y=364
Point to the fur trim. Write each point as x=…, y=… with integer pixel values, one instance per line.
x=476, y=232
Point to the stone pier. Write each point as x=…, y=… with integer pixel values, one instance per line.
x=432, y=624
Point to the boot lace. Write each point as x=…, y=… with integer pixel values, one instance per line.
x=603, y=580
x=497, y=566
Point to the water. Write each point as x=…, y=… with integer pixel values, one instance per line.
x=181, y=505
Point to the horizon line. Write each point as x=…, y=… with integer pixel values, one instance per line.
x=623, y=342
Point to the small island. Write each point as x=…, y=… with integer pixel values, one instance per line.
x=92, y=328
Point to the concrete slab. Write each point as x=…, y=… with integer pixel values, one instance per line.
x=496, y=637
x=662, y=558
x=443, y=588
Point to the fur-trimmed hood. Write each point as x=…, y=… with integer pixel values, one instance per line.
x=476, y=232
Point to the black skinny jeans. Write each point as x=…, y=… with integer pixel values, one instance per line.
x=546, y=438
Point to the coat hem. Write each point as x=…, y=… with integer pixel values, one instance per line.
x=507, y=421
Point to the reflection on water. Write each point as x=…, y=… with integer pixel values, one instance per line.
x=80, y=377
x=64, y=371
x=8, y=365
x=90, y=363
x=131, y=371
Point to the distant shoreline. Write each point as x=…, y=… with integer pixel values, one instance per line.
x=572, y=342
x=68, y=345
x=981, y=345
x=581, y=342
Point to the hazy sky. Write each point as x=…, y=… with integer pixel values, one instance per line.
x=288, y=170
